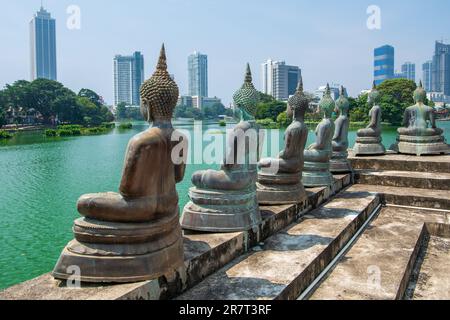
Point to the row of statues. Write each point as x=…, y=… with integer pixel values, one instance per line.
x=136, y=234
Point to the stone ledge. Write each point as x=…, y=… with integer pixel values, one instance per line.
x=204, y=254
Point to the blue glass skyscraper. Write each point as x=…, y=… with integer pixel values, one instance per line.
x=43, y=46
x=383, y=64
x=198, y=74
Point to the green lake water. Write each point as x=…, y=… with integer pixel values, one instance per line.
x=42, y=178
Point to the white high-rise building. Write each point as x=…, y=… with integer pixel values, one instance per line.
x=128, y=78
x=427, y=69
x=279, y=79
x=43, y=46
x=198, y=74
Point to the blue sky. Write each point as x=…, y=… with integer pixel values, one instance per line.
x=328, y=39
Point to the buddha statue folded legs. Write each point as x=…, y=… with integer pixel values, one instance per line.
x=225, y=200
x=369, y=141
x=135, y=234
x=317, y=157
x=280, y=179
x=339, y=160
x=419, y=135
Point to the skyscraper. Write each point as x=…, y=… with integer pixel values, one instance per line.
x=128, y=78
x=198, y=74
x=427, y=68
x=409, y=71
x=383, y=63
x=440, y=78
x=43, y=46
x=279, y=79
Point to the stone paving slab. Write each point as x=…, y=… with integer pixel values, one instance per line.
x=204, y=254
x=414, y=197
x=423, y=180
x=378, y=266
x=402, y=162
x=289, y=261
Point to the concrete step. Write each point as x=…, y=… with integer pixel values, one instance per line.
x=413, y=197
x=422, y=180
x=402, y=163
x=379, y=265
x=290, y=260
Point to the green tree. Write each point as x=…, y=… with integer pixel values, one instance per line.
x=121, y=111
x=270, y=110
x=396, y=96
x=359, y=109
x=92, y=96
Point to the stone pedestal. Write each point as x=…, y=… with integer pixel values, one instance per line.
x=317, y=174
x=281, y=188
x=339, y=163
x=421, y=145
x=221, y=211
x=366, y=146
x=122, y=252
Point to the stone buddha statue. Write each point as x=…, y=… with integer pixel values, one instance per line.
x=225, y=200
x=279, y=179
x=135, y=234
x=369, y=141
x=317, y=157
x=420, y=136
x=339, y=159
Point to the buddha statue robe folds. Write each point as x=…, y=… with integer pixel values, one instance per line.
x=369, y=141
x=317, y=157
x=420, y=136
x=135, y=234
x=279, y=179
x=339, y=159
x=225, y=200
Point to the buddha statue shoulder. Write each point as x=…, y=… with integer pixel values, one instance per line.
x=290, y=160
x=321, y=150
x=342, y=123
x=419, y=119
x=239, y=168
x=375, y=115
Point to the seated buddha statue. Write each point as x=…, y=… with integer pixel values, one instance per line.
x=420, y=135
x=339, y=159
x=369, y=141
x=135, y=234
x=317, y=157
x=225, y=200
x=279, y=179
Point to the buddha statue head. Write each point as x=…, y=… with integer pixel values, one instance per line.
x=374, y=96
x=247, y=97
x=327, y=105
x=159, y=94
x=342, y=104
x=299, y=102
x=420, y=94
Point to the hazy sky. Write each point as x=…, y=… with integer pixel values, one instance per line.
x=329, y=40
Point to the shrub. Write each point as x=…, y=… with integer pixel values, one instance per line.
x=222, y=123
x=51, y=133
x=126, y=125
x=5, y=134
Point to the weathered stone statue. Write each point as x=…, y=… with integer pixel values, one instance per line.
x=279, y=180
x=317, y=158
x=339, y=159
x=135, y=234
x=420, y=136
x=225, y=200
x=369, y=141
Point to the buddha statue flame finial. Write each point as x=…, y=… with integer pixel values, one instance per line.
x=342, y=104
x=159, y=94
x=247, y=97
x=327, y=103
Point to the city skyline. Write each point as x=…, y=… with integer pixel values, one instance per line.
x=229, y=45
x=128, y=78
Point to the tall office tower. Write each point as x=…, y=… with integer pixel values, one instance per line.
x=427, y=68
x=267, y=76
x=198, y=74
x=383, y=63
x=409, y=71
x=128, y=78
x=440, y=78
x=279, y=79
x=43, y=46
